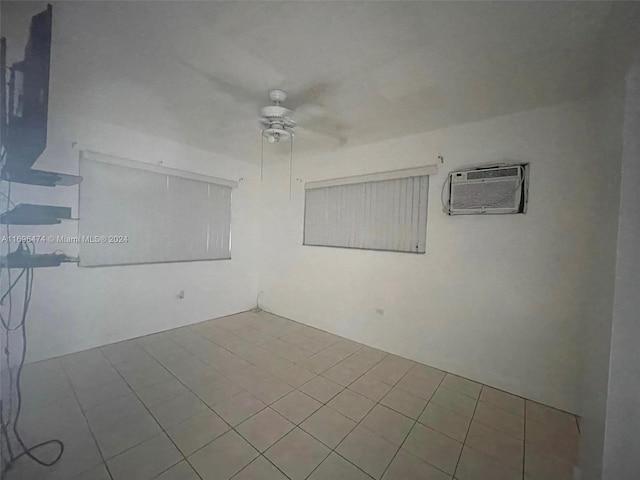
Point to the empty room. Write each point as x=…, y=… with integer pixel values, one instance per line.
x=323, y=240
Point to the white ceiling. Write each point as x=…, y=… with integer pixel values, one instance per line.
x=198, y=72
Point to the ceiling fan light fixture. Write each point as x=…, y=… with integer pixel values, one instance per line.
x=275, y=134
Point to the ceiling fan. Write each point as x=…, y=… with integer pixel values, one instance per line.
x=276, y=120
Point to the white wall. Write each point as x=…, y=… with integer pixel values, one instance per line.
x=621, y=439
x=499, y=299
x=596, y=336
x=77, y=308
x=74, y=308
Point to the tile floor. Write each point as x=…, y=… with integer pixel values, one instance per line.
x=255, y=396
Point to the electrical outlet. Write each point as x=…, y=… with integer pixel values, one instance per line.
x=181, y=294
x=380, y=311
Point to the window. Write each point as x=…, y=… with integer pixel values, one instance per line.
x=386, y=211
x=132, y=213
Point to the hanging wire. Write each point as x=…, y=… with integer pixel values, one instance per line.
x=262, y=155
x=290, y=166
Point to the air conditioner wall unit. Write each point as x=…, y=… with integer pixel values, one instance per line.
x=488, y=190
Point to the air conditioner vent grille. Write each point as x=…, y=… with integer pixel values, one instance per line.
x=479, y=195
x=493, y=173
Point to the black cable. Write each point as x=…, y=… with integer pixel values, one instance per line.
x=9, y=290
x=26, y=450
x=6, y=346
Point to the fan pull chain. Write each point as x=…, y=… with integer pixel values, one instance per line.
x=262, y=155
x=290, y=166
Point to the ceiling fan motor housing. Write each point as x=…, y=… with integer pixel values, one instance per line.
x=277, y=95
x=276, y=120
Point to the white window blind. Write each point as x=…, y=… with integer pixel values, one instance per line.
x=388, y=214
x=133, y=213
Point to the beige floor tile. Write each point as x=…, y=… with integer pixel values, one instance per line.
x=181, y=471
x=502, y=447
x=304, y=342
x=406, y=466
x=84, y=377
x=325, y=337
x=177, y=409
x=388, y=424
x=426, y=372
x=337, y=468
x=80, y=454
x=433, y=447
x=97, y=473
x=290, y=373
x=370, y=388
x=474, y=465
x=161, y=392
x=297, y=454
x=462, y=385
x=445, y=421
x=398, y=362
x=289, y=351
x=348, y=346
x=499, y=419
x=351, y=404
x=322, y=389
x=260, y=469
x=107, y=414
x=118, y=437
x=256, y=355
x=455, y=401
x=238, y=408
x=341, y=375
x=269, y=390
x=200, y=359
x=225, y=362
x=552, y=417
x=542, y=465
x=319, y=362
x=224, y=457
x=358, y=363
x=249, y=376
x=389, y=371
x=404, y=402
x=328, y=426
x=134, y=358
x=145, y=377
x=264, y=429
x=368, y=451
x=44, y=380
x=556, y=442
x=191, y=370
x=216, y=391
x=146, y=460
x=503, y=400
x=101, y=394
x=296, y=406
x=197, y=431
x=162, y=349
x=370, y=353
x=420, y=387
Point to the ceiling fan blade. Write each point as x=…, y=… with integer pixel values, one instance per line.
x=315, y=94
x=327, y=128
x=241, y=94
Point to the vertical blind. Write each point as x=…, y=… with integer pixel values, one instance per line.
x=377, y=215
x=130, y=215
